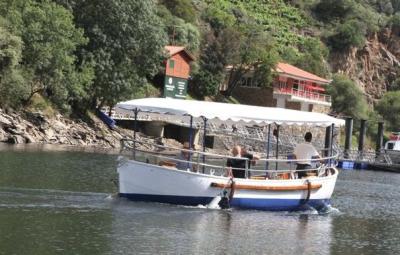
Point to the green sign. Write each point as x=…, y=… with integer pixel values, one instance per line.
x=175, y=87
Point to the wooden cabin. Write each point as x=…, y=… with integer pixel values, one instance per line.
x=293, y=88
x=177, y=71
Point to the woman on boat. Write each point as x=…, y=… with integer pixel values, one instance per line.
x=236, y=166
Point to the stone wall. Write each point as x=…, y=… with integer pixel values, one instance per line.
x=255, y=96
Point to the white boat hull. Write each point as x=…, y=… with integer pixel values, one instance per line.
x=145, y=182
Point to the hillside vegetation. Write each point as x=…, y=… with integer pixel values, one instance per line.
x=79, y=54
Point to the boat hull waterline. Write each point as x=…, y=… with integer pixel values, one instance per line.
x=145, y=182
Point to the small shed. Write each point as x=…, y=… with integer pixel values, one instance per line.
x=177, y=71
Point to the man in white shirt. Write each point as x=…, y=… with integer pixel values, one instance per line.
x=305, y=152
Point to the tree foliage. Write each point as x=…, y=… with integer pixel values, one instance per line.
x=349, y=34
x=347, y=98
x=180, y=32
x=388, y=107
x=12, y=83
x=126, y=46
x=50, y=39
x=183, y=9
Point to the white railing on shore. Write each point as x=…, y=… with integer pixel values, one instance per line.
x=304, y=94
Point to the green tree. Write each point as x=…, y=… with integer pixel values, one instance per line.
x=183, y=9
x=309, y=55
x=349, y=34
x=179, y=31
x=50, y=39
x=13, y=87
x=388, y=107
x=328, y=10
x=347, y=98
x=126, y=46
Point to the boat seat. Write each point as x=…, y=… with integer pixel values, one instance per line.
x=167, y=163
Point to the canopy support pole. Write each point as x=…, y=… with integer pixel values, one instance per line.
x=191, y=133
x=267, y=145
x=136, y=111
x=190, y=141
x=331, y=149
x=277, y=146
x=204, y=141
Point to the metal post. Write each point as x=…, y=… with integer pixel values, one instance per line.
x=191, y=133
x=268, y=144
x=348, y=136
x=361, y=139
x=331, y=148
x=379, y=138
x=328, y=141
x=277, y=146
x=190, y=142
x=136, y=111
x=204, y=140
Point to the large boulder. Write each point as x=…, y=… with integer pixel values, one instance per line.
x=16, y=139
x=3, y=135
x=29, y=138
x=4, y=122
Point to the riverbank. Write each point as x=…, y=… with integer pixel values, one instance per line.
x=37, y=128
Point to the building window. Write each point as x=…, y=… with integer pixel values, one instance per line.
x=248, y=82
x=171, y=63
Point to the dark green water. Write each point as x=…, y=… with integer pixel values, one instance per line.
x=58, y=202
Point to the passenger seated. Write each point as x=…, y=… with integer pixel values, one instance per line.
x=183, y=161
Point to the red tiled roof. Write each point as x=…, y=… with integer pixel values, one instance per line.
x=287, y=69
x=172, y=50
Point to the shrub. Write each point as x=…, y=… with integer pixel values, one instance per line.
x=349, y=34
x=347, y=98
x=388, y=107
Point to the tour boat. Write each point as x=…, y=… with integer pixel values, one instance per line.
x=392, y=148
x=150, y=175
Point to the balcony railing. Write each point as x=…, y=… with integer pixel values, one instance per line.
x=303, y=94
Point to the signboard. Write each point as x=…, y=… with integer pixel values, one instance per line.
x=175, y=87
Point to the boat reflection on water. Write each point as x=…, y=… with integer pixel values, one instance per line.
x=156, y=228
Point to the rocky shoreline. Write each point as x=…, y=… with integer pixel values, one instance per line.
x=36, y=128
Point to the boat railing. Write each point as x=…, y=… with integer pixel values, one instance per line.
x=283, y=166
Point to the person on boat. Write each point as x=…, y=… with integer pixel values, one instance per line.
x=183, y=161
x=305, y=152
x=237, y=165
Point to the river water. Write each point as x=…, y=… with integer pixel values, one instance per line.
x=61, y=202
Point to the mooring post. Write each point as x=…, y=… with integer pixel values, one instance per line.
x=135, y=112
x=348, y=137
x=379, y=138
x=204, y=140
x=361, y=138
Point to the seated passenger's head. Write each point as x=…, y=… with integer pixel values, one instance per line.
x=308, y=137
x=236, y=150
x=186, y=145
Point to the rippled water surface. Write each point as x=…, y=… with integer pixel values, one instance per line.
x=59, y=202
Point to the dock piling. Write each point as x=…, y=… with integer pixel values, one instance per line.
x=348, y=136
